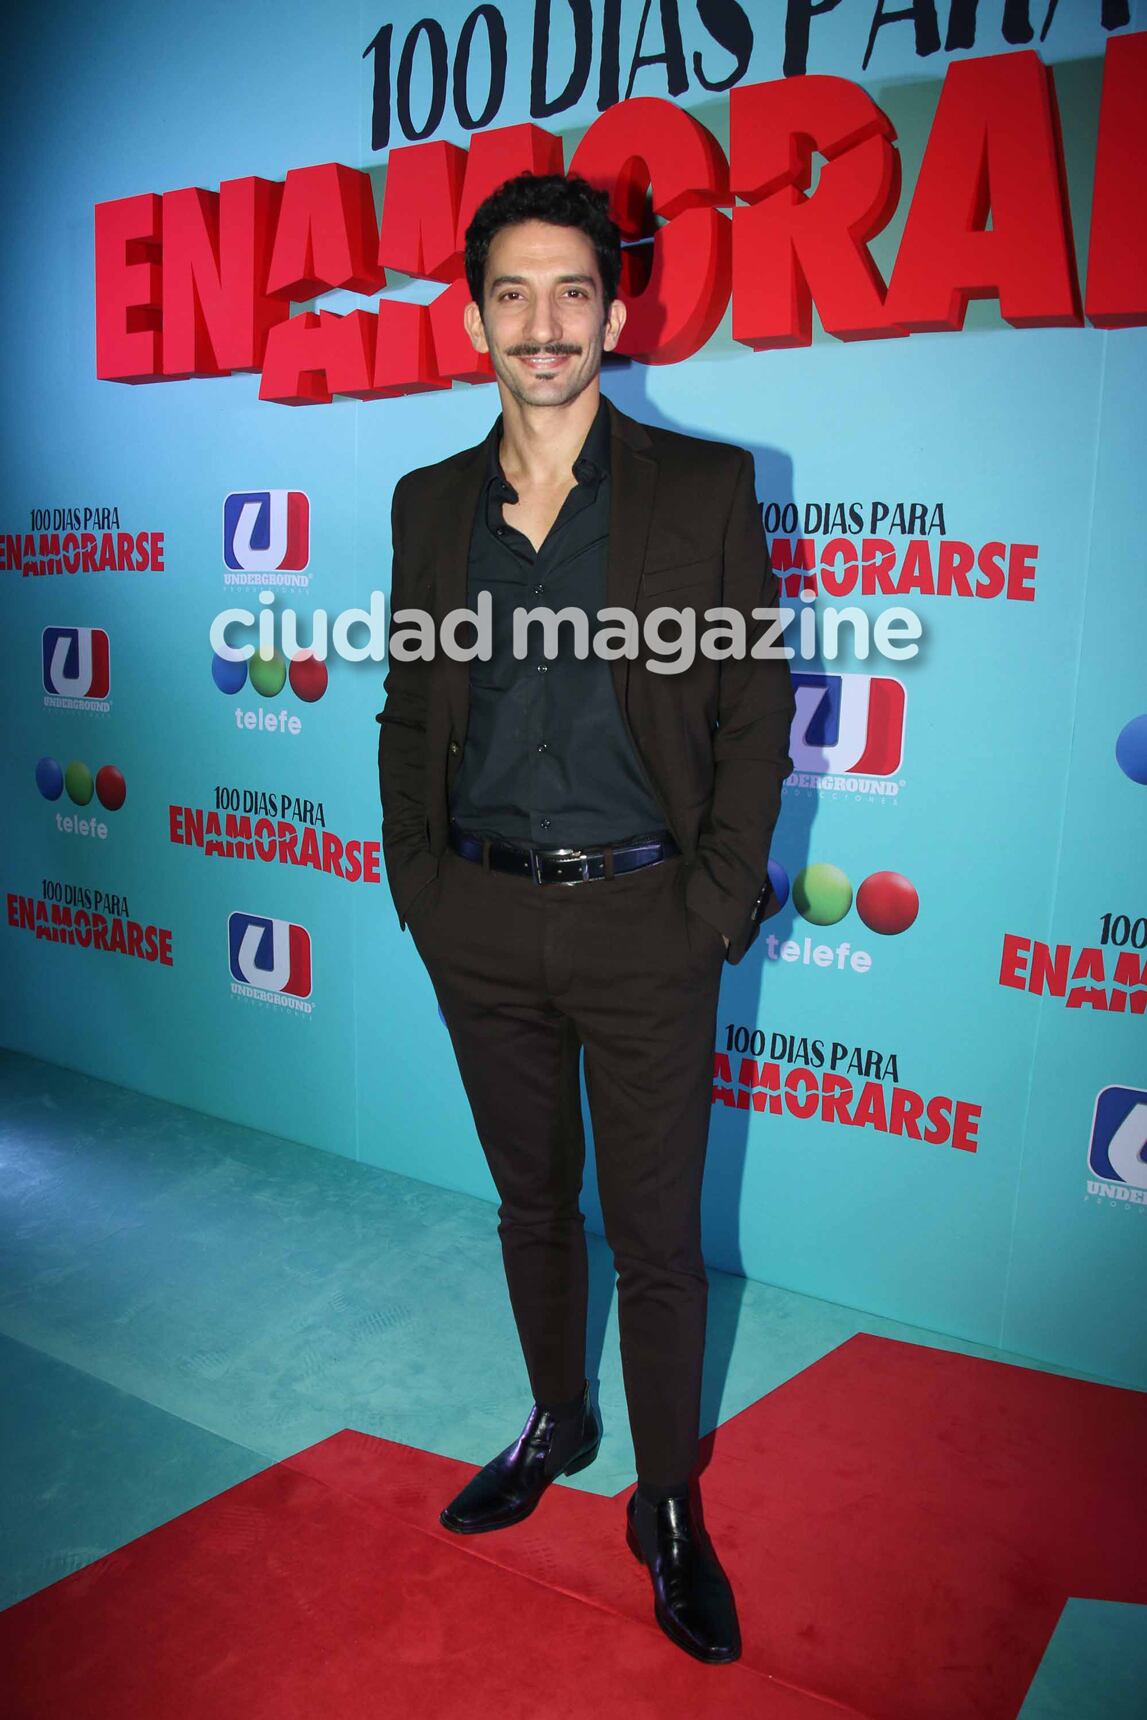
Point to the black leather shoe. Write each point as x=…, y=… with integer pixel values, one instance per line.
x=692, y=1600
x=511, y=1484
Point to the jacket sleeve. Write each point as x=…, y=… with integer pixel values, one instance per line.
x=402, y=745
x=728, y=877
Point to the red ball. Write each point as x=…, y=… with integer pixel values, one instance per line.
x=308, y=678
x=887, y=902
x=111, y=787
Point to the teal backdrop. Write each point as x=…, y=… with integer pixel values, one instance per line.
x=976, y=958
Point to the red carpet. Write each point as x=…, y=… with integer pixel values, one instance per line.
x=902, y=1527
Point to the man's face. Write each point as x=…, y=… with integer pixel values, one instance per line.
x=544, y=321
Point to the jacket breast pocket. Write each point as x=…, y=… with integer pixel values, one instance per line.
x=656, y=580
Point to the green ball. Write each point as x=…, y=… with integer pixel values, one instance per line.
x=822, y=894
x=267, y=673
x=79, y=782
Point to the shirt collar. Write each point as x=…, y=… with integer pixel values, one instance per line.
x=592, y=462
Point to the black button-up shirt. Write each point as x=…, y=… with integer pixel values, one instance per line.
x=548, y=761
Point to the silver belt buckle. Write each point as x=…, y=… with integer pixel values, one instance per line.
x=562, y=855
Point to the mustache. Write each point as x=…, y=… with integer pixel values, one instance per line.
x=557, y=349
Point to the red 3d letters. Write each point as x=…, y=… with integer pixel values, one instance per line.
x=202, y=283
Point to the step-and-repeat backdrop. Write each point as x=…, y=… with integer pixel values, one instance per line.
x=900, y=253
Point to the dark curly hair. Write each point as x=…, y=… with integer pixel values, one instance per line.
x=564, y=199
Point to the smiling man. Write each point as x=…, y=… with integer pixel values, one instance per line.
x=578, y=845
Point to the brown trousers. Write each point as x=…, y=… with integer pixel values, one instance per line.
x=526, y=975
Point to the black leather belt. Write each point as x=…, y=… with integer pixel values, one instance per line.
x=562, y=865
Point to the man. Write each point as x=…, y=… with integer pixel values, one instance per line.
x=578, y=844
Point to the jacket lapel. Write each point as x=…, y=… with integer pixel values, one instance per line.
x=453, y=528
x=633, y=482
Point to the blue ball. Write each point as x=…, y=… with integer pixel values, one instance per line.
x=49, y=778
x=1131, y=749
x=779, y=879
x=229, y=677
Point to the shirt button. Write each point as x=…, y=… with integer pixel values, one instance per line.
x=543, y=668
x=544, y=822
x=499, y=531
x=453, y=746
x=538, y=589
x=542, y=747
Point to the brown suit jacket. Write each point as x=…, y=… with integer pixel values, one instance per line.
x=685, y=529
